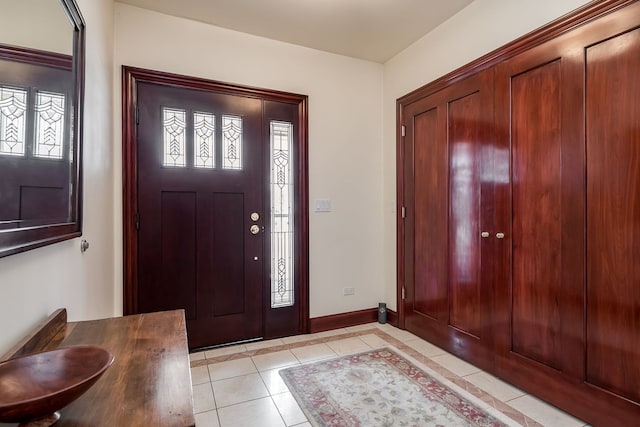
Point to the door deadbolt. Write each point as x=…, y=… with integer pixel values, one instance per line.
x=255, y=216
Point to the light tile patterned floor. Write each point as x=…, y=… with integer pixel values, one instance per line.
x=240, y=386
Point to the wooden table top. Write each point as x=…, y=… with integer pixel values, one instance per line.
x=149, y=383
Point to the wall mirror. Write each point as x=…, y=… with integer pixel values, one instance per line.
x=41, y=93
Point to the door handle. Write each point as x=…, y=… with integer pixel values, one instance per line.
x=500, y=235
x=254, y=229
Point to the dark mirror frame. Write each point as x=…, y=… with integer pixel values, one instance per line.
x=24, y=239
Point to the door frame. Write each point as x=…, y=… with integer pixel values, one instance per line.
x=131, y=76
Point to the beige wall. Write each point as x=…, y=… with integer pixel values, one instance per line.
x=48, y=26
x=478, y=29
x=33, y=284
x=345, y=135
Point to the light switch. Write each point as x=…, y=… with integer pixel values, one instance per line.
x=323, y=205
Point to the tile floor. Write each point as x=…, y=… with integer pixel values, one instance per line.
x=240, y=385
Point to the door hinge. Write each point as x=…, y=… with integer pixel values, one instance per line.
x=404, y=212
x=137, y=113
x=403, y=293
x=137, y=219
x=404, y=130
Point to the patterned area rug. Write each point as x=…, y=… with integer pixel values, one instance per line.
x=380, y=388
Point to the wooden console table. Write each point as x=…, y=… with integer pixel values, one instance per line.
x=149, y=383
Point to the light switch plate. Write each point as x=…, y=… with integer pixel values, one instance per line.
x=323, y=205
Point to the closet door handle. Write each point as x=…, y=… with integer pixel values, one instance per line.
x=500, y=235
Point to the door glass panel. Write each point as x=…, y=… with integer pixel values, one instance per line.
x=174, y=124
x=13, y=106
x=49, y=125
x=204, y=140
x=281, y=215
x=231, y=142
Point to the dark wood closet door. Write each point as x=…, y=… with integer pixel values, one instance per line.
x=540, y=210
x=613, y=214
x=568, y=289
x=447, y=161
x=557, y=298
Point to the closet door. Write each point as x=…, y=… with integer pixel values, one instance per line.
x=540, y=213
x=447, y=183
x=613, y=213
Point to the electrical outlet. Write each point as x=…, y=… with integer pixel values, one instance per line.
x=348, y=291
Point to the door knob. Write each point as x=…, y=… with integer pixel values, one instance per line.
x=254, y=229
x=485, y=234
x=500, y=235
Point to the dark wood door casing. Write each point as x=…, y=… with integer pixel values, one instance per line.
x=563, y=282
x=297, y=111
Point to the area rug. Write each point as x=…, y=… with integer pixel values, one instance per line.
x=379, y=388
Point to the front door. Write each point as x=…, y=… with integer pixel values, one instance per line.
x=210, y=220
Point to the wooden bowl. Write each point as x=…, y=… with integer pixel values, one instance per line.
x=34, y=387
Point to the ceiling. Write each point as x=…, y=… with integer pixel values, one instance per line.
x=374, y=30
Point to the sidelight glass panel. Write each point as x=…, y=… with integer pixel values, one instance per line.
x=282, y=233
x=204, y=140
x=13, y=106
x=174, y=130
x=231, y=142
x=49, y=125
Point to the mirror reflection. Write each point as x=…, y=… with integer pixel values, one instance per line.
x=36, y=115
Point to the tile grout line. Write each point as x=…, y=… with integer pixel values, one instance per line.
x=270, y=395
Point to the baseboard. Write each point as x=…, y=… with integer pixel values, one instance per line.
x=351, y=318
x=392, y=317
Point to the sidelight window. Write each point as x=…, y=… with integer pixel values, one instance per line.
x=282, y=197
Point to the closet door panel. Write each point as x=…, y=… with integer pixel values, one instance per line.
x=536, y=213
x=447, y=144
x=465, y=129
x=539, y=116
x=431, y=245
x=613, y=214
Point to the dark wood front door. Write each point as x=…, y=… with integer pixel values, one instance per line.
x=205, y=218
x=195, y=201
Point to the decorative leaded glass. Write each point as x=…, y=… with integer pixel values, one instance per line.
x=204, y=140
x=231, y=142
x=281, y=215
x=13, y=106
x=174, y=125
x=49, y=125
